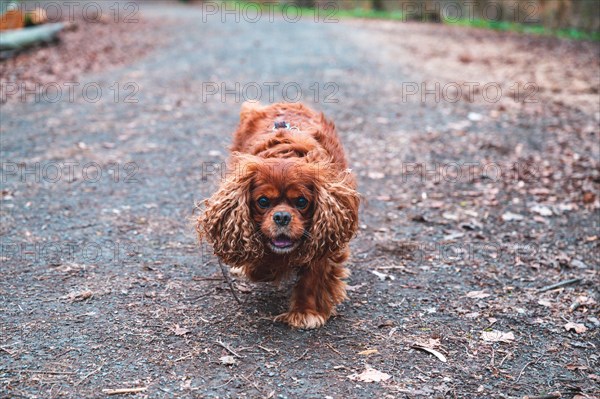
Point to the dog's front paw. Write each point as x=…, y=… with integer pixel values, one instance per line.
x=306, y=320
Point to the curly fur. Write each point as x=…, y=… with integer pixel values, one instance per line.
x=307, y=158
x=226, y=222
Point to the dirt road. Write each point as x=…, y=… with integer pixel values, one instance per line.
x=474, y=199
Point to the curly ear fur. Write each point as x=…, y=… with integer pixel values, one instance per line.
x=335, y=220
x=226, y=222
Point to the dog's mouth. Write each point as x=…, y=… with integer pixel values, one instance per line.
x=282, y=244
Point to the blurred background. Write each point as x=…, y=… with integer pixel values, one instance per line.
x=472, y=128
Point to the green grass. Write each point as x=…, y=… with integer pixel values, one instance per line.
x=369, y=14
x=330, y=14
x=573, y=34
x=524, y=28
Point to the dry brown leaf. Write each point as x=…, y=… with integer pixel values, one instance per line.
x=545, y=302
x=370, y=375
x=478, y=294
x=585, y=300
x=497, y=336
x=368, y=352
x=227, y=360
x=245, y=288
x=450, y=216
x=179, y=331
x=355, y=287
x=576, y=367
x=577, y=327
x=79, y=296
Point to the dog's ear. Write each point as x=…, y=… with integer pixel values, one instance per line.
x=226, y=222
x=249, y=109
x=335, y=220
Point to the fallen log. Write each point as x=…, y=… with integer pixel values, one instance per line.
x=21, y=38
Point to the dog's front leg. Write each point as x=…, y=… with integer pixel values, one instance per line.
x=320, y=287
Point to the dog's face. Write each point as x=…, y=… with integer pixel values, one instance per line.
x=291, y=207
x=282, y=204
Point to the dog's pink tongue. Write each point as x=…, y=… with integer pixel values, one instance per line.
x=282, y=242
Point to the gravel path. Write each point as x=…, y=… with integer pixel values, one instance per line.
x=103, y=285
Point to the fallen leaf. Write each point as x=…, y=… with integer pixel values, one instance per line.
x=227, y=360
x=368, y=352
x=588, y=197
x=577, y=327
x=545, y=303
x=355, y=287
x=497, y=336
x=179, y=331
x=578, y=264
x=453, y=236
x=370, y=375
x=594, y=377
x=79, y=296
x=541, y=210
x=245, y=288
x=383, y=276
x=576, y=367
x=477, y=294
x=434, y=352
x=450, y=216
x=510, y=217
x=585, y=300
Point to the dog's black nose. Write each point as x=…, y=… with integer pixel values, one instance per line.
x=282, y=218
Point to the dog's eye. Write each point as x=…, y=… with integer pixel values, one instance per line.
x=301, y=203
x=263, y=202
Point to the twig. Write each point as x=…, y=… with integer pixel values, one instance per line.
x=551, y=395
x=228, y=349
x=122, y=391
x=228, y=279
x=504, y=358
x=267, y=349
x=334, y=350
x=44, y=372
x=527, y=365
x=6, y=350
x=85, y=377
x=300, y=358
x=227, y=383
x=253, y=384
x=207, y=278
x=561, y=284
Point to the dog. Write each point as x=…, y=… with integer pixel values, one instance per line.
x=287, y=204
